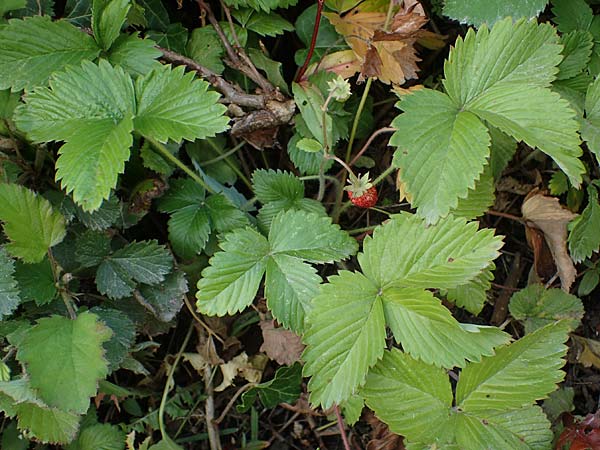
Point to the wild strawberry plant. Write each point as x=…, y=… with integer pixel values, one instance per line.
x=134, y=178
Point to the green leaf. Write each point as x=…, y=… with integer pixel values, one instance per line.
x=472, y=296
x=536, y=307
x=310, y=101
x=70, y=377
x=520, y=429
x=174, y=105
x=34, y=48
x=273, y=69
x=78, y=12
x=30, y=223
x=346, y=336
x=156, y=14
x=138, y=262
x=137, y=56
x=265, y=24
x=584, y=238
x=590, y=129
x=427, y=330
x=577, y=51
x=9, y=289
x=204, y=47
x=558, y=402
x=166, y=299
x=91, y=247
x=10, y=5
x=558, y=184
x=36, y=282
x=231, y=281
x=519, y=374
x=265, y=5
x=309, y=145
x=35, y=8
x=588, y=282
x=409, y=395
x=123, y=335
x=100, y=436
x=8, y=103
x=328, y=40
x=478, y=12
x=441, y=151
x=174, y=37
x=502, y=151
x=90, y=107
x=572, y=15
x=108, y=16
x=104, y=217
x=479, y=199
x=443, y=256
x=284, y=387
x=322, y=242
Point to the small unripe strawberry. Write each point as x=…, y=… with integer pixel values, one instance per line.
x=361, y=192
x=366, y=200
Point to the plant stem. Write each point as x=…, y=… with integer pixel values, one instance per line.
x=359, y=111
x=168, y=155
x=313, y=41
x=342, y=427
x=163, y=400
x=223, y=155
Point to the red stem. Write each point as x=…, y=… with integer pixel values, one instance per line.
x=342, y=427
x=313, y=41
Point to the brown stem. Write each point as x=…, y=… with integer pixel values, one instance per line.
x=501, y=303
x=342, y=427
x=313, y=41
x=209, y=410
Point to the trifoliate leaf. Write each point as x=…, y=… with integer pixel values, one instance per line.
x=9, y=289
x=39, y=421
x=427, y=330
x=30, y=223
x=108, y=17
x=91, y=247
x=409, y=395
x=584, y=238
x=577, y=51
x=519, y=374
x=138, y=262
x=590, y=129
x=34, y=48
x=473, y=295
x=166, y=299
x=478, y=12
x=284, y=387
x=345, y=337
x=100, y=436
x=572, y=15
x=520, y=429
x=440, y=154
x=443, y=256
x=123, y=335
x=537, y=306
x=137, y=56
x=321, y=242
x=510, y=93
x=91, y=108
x=70, y=377
x=36, y=282
x=174, y=105
x=231, y=281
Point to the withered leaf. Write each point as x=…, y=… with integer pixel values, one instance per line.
x=279, y=344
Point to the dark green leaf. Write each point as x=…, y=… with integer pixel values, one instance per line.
x=36, y=281
x=106, y=216
x=588, y=282
x=166, y=299
x=174, y=37
x=284, y=387
x=9, y=290
x=123, y=335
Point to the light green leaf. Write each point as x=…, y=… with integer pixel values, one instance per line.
x=441, y=151
x=290, y=286
x=284, y=387
x=321, y=242
x=577, y=51
x=558, y=184
x=34, y=48
x=90, y=107
x=537, y=306
x=473, y=295
x=479, y=199
x=427, y=330
x=443, y=256
x=310, y=100
x=189, y=230
x=36, y=282
x=230, y=283
x=70, y=377
x=519, y=374
x=175, y=105
x=584, y=238
x=590, y=129
x=306, y=163
x=409, y=395
x=138, y=262
x=502, y=151
x=572, y=15
x=346, y=336
x=137, y=56
x=352, y=408
x=478, y=12
x=30, y=223
x=309, y=145
x=100, y=436
x=9, y=290
x=520, y=429
x=108, y=17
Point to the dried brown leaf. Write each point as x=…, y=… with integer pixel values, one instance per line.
x=547, y=214
x=279, y=344
x=241, y=366
x=587, y=351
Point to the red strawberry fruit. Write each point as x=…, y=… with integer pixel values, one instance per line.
x=361, y=192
